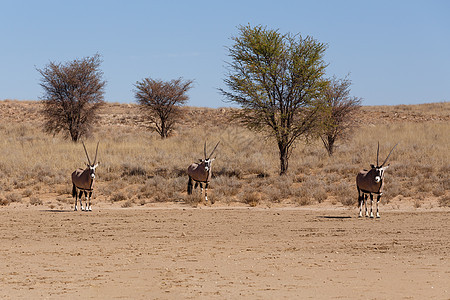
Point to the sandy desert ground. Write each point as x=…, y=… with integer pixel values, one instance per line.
x=180, y=252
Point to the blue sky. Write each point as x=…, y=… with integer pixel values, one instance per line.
x=397, y=52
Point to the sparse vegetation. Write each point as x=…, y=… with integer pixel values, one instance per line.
x=139, y=167
x=252, y=198
x=35, y=201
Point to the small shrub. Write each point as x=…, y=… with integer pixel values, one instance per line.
x=64, y=190
x=133, y=171
x=417, y=203
x=194, y=199
x=444, y=201
x=252, y=198
x=320, y=194
x=391, y=190
x=273, y=194
x=19, y=184
x=34, y=200
x=118, y=196
x=127, y=204
x=27, y=193
x=439, y=190
x=14, y=197
x=4, y=201
x=64, y=199
x=347, y=200
x=303, y=201
x=226, y=186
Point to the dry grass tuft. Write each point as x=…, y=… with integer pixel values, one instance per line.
x=35, y=201
x=14, y=197
x=252, y=198
x=193, y=200
x=444, y=201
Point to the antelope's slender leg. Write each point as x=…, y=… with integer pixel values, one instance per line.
x=206, y=191
x=76, y=199
x=371, y=205
x=80, y=199
x=378, y=201
x=365, y=206
x=360, y=203
x=88, y=207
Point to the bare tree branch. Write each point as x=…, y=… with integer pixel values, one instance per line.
x=161, y=100
x=73, y=93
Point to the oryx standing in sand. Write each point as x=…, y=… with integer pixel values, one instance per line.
x=201, y=173
x=83, y=180
x=371, y=182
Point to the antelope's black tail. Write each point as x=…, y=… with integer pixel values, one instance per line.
x=74, y=191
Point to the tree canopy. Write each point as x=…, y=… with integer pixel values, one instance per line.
x=277, y=79
x=161, y=100
x=73, y=93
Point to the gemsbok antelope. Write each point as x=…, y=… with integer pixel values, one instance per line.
x=201, y=173
x=371, y=182
x=83, y=180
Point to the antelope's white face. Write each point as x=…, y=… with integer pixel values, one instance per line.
x=379, y=173
x=92, y=170
x=207, y=163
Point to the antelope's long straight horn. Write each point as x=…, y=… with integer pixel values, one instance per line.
x=89, y=161
x=389, y=155
x=214, y=149
x=204, y=150
x=96, y=150
x=378, y=151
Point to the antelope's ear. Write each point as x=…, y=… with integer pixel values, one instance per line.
x=213, y=159
x=96, y=165
x=372, y=166
x=200, y=160
x=88, y=165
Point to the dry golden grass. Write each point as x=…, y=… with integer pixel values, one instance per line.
x=138, y=168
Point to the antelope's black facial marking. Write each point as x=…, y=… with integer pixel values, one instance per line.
x=207, y=164
x=92, y=170
x=378, y=174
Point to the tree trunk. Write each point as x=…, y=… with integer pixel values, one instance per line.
x=330, y=147
x=284, y=158
x=163, y=129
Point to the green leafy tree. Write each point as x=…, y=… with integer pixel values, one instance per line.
x=73, y=93
x=277, y=79
x=338, y=119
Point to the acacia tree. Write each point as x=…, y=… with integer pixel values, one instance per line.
x=73, y=93
x=277, y=80
x=338, y=118
x=161, y=101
